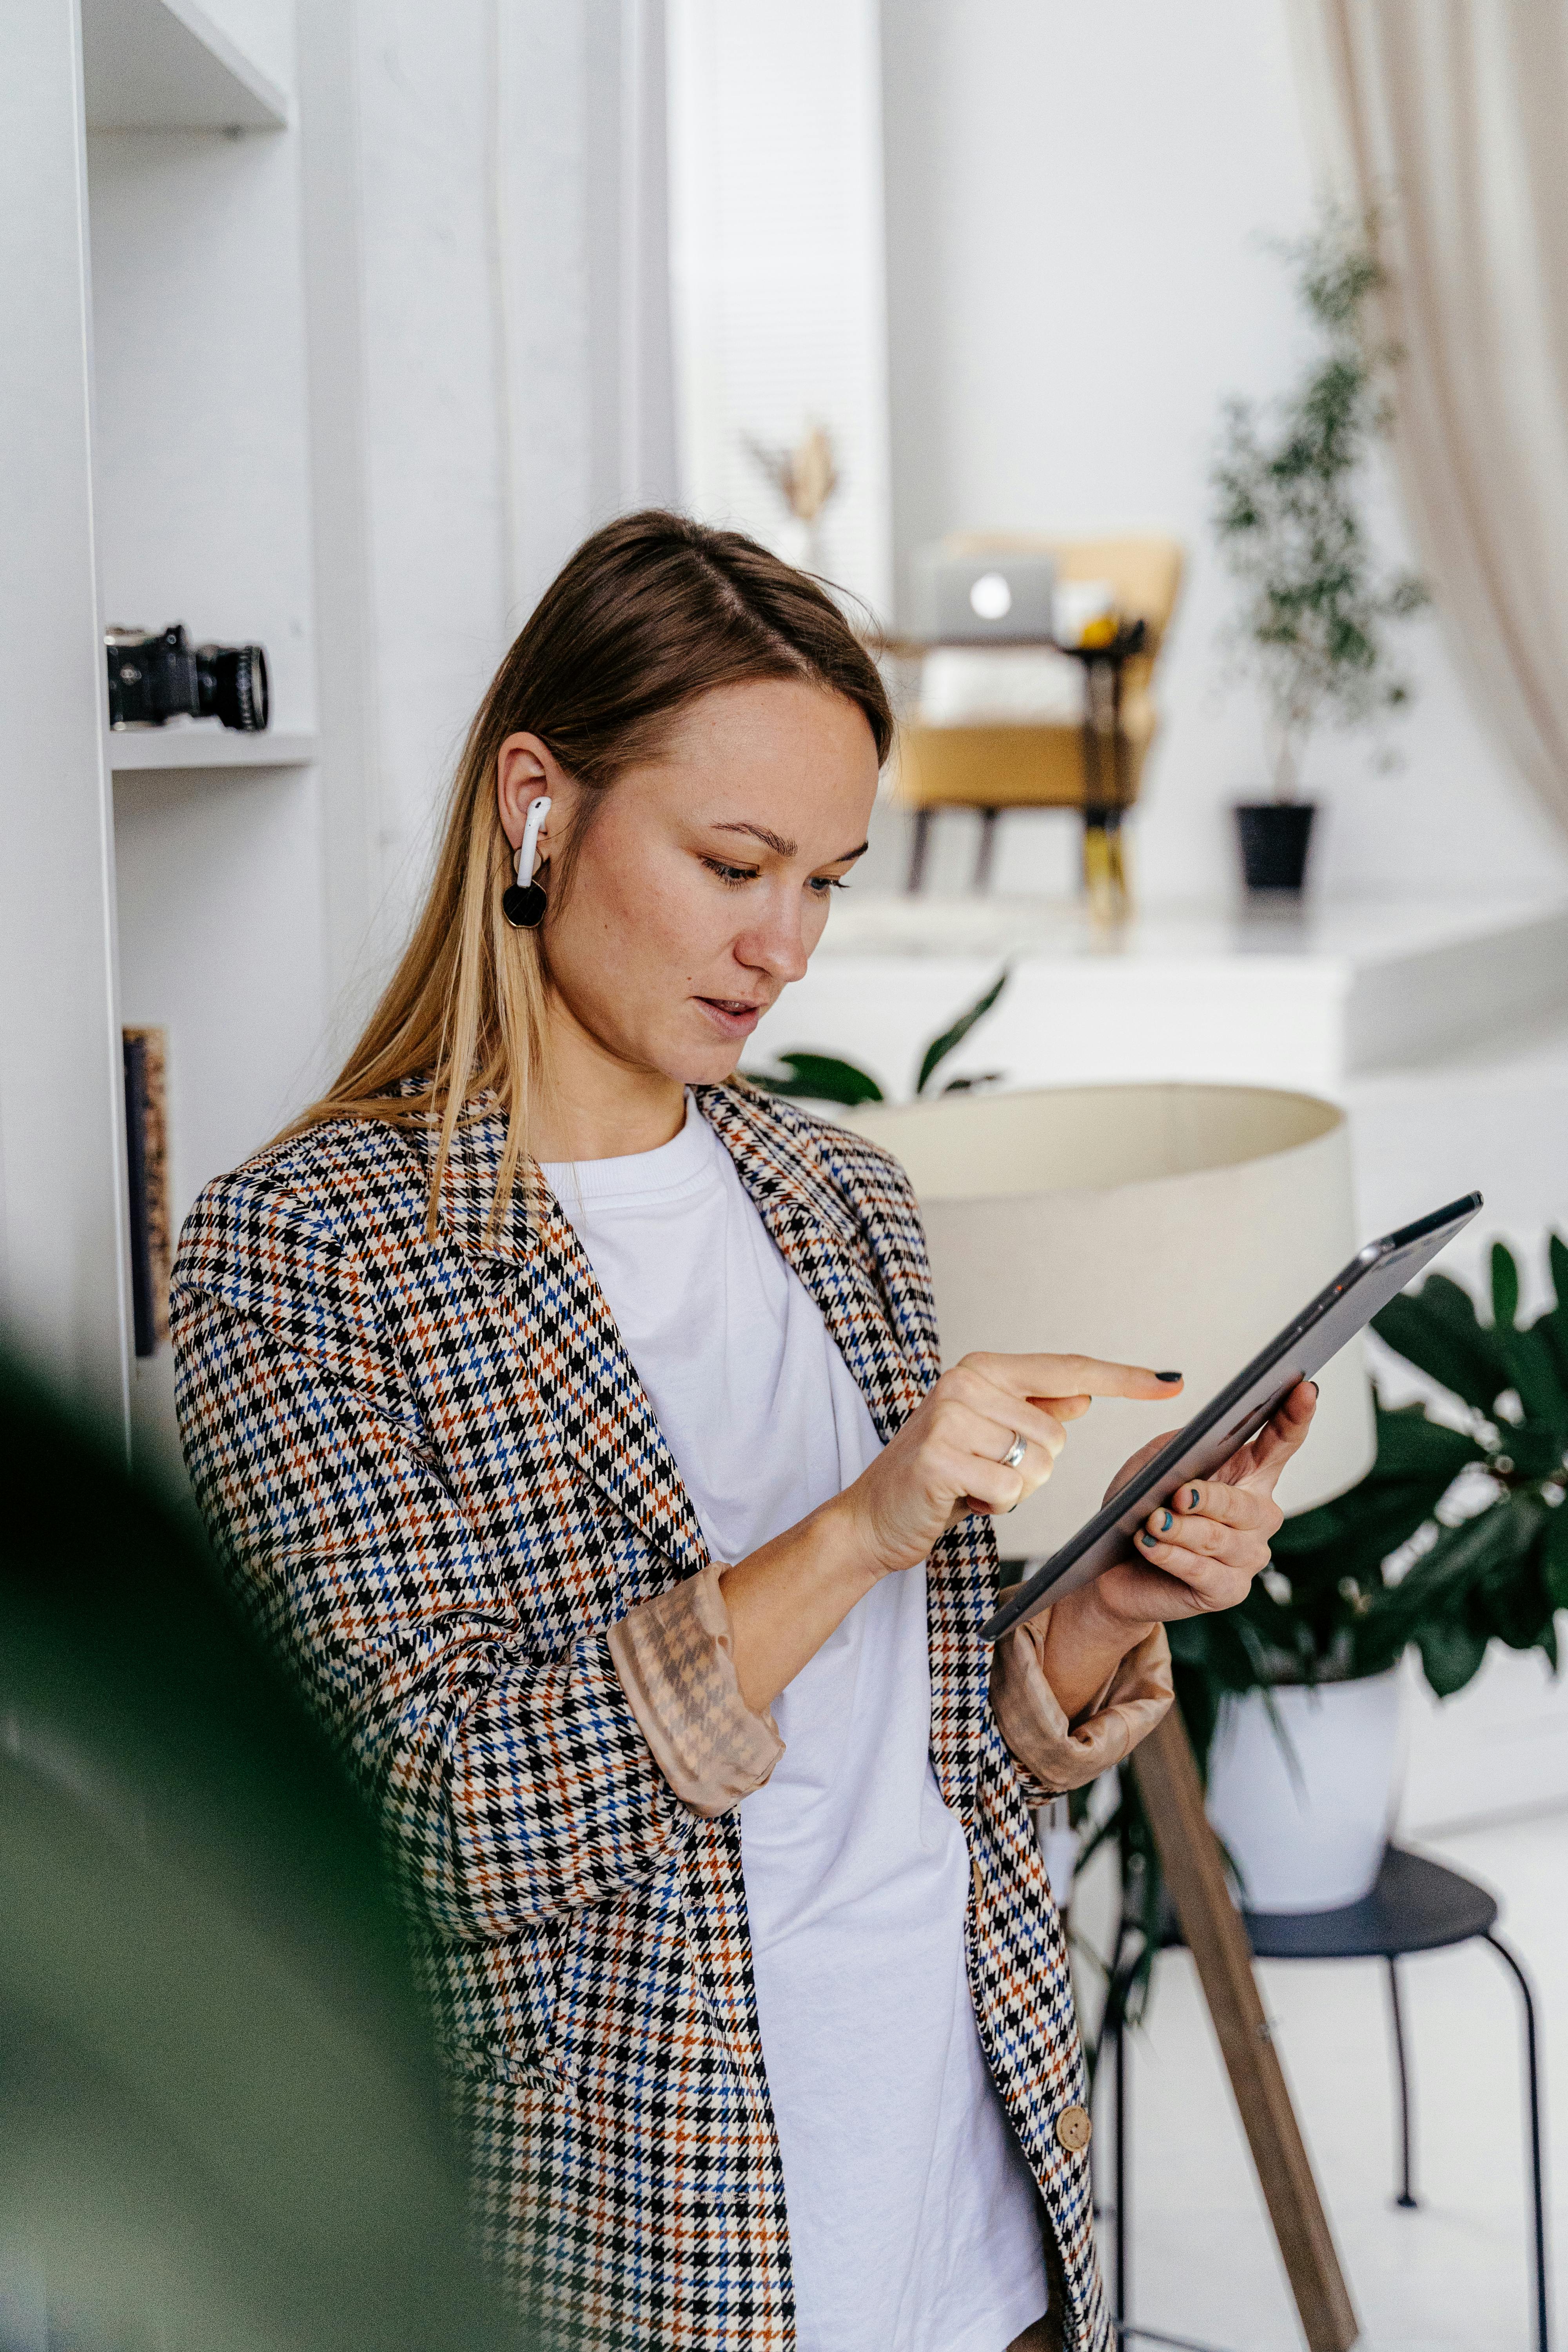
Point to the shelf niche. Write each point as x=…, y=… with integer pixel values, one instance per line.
x=164, y=64
x=165, y=750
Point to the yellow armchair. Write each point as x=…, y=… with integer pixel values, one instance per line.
x=1041, y=764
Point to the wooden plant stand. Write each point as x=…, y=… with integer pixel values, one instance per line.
x=1214, y=1933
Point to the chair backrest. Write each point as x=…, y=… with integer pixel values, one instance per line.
x=1145, y=569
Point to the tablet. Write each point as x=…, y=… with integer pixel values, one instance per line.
x=1240, y=1410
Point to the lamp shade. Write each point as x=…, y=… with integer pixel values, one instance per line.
x=1167, y=1225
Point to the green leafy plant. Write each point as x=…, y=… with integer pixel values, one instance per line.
x=824, y=1078
x=1314, y=601
x=1456, y=1536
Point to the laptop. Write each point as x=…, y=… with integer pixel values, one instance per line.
x=977, y=599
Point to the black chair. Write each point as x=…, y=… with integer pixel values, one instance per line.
x=1417, y=1905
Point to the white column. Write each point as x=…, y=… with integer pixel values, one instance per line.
x=63, y=1221
x=778, y=251
x=583, y=283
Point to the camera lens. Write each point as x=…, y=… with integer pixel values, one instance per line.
x=233, y=681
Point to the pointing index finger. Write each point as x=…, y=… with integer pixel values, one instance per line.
x=1090, y=1376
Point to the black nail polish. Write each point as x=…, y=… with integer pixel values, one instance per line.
x=1313, y=1386
x=1167, y=1376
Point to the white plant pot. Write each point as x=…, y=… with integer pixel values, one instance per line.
x=1307, y=1829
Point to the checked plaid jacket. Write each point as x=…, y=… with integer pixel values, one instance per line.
x=435, y=1478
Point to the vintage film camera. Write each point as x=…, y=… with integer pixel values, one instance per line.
x=155, y=676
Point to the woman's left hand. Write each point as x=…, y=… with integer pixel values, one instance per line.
x=1197, y=1554
x=1200, y=1551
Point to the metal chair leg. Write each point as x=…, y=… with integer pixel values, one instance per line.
x=1123, y=2250
x=1114, y=2042
x=1532, y=2065
x=1406, y=2197
x=986, y=848
x=919, y=838
x=1113, y=2039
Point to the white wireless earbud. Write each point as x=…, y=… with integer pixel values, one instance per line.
x=528, y=856
x=523, y=903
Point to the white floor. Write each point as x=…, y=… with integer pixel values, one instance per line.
x=1453, y=2275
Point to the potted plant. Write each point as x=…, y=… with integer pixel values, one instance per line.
x=828, y=1078
x=1312, y=628
x=1456, y=1538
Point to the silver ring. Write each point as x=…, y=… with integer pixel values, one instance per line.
x=1014, y=1454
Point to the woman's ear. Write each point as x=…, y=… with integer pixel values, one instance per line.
x=526, y=767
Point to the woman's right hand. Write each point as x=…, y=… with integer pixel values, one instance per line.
x=946, y=1464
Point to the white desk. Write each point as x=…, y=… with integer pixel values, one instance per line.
x=1307, y=1000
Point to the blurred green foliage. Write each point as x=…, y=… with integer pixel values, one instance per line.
x=223, y=2123
x=1457, y=1536
x=826, y=1078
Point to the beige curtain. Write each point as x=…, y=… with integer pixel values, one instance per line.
x=1451, y=116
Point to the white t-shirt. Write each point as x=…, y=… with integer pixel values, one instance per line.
x=912, y=2218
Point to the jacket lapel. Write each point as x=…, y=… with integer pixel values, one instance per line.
x=820, y=1237
x=571, y=1360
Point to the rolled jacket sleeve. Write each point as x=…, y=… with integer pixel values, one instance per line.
x=676, y=1662
x=1052, y=1754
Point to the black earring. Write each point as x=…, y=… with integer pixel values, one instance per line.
x=522, y=904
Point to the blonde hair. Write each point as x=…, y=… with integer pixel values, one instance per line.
x=651, y=612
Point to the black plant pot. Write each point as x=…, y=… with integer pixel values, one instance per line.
x=1275, y=836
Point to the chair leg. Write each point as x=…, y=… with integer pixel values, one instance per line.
x=1113, y=2043
x=919, y=841
x=1406, y=2196
x=985, y=849
x=1123, y=2234
x=1533, y=2067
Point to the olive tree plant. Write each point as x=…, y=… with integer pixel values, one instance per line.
x=1315, y=603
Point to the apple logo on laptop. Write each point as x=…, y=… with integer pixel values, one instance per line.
x=990, y=598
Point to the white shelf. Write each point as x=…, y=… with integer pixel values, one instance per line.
x=164, y=64
x=199, y=745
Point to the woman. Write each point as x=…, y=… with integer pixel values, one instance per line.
x=569, y=1413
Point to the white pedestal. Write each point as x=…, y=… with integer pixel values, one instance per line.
x=1305, y=1000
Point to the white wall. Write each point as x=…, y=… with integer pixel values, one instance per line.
x=582, y=211
x=487, y=352
x=1076, y=201
x=433, y=450
x=778, y=264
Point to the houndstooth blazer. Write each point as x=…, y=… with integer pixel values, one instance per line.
x=435, y=1477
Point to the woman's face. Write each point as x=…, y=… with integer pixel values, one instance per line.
x=704, y=879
